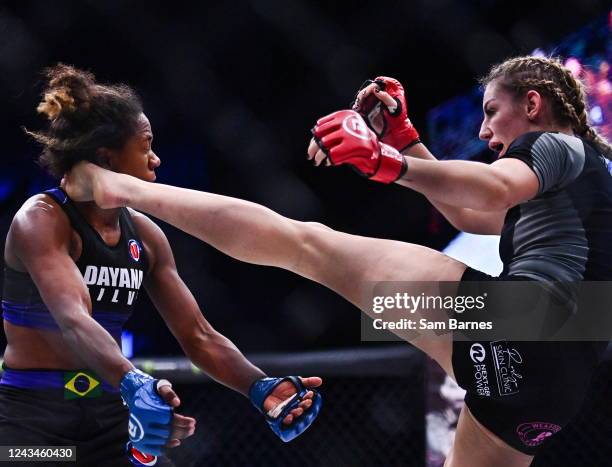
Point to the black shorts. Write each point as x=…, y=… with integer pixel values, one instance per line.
x=522, y=391
x=97, y=426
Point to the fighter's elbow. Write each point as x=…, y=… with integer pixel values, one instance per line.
x=72, y=325
x=197, y=340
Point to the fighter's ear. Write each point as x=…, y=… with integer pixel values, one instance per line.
x=105, y=158
x=534, y=104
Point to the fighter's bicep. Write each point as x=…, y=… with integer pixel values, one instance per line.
x=520, y=181
x=41, y=242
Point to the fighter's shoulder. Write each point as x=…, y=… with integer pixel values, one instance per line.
x=546, y=142
x=39, y=227
x=145, y=226
x=39, y=215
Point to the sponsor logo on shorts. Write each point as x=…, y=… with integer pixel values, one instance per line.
x=506, y=361
x=140, y=458
x=135, y=429
x=535, y=433
x=481, y=377
x=477, y=353
x=134, y=248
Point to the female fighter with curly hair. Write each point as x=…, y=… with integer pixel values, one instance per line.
x=73, y=273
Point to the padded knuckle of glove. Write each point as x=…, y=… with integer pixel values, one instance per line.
x=354, y=143
x=149, y=414
x=326, y=128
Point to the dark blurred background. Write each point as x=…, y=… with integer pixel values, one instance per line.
x=232, y=89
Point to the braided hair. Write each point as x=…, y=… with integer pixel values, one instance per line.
x=550, y=78
x=83, y=117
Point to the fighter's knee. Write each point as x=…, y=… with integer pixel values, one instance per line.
x=309, y=247
x=311, y=233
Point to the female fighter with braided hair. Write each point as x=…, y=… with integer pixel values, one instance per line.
x=549, y=195
x=73, y=273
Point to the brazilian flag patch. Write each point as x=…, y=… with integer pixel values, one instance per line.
x=81, y=384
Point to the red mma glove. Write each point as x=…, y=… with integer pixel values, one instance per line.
x=345, y=138
x=382, y=104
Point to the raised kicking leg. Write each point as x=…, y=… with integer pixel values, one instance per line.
x=347, y=264
x=350, y=265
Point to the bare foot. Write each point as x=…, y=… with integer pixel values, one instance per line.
x=89, y=182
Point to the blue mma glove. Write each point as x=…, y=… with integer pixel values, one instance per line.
x=262, y=388
x=150, y=416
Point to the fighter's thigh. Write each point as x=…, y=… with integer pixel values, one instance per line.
x=475, y=446
x=347, y=263
x=355, y=266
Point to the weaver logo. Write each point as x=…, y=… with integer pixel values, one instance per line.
x=535, y=433
x=134, y=248
x=356, y=126
x=135, y=429
x=477, y=353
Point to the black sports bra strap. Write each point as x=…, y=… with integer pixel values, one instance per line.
x=76, y=220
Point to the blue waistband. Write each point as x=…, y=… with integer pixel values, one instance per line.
x=37, y=315
x=46, y=379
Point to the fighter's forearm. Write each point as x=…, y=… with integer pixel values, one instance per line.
x=463, y=184
x=220, y=359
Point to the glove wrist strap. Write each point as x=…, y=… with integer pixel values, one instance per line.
x=392, y=165
x=402, y=141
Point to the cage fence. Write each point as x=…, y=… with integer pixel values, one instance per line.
x=383, y=406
